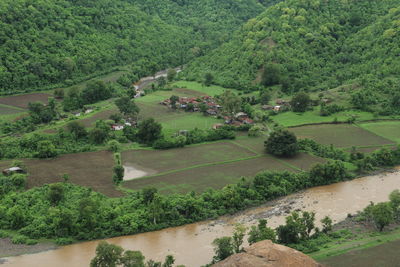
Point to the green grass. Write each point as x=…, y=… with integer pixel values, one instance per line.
x=386, y=129
x=289, y=119
x=361, y=241
x=211, y=90
x=340, y=135
x=189, y=121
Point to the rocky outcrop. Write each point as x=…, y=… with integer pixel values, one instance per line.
x=268, y=254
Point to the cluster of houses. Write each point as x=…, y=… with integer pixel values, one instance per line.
x=195, y=104
x=281, y=105
x=121, y=126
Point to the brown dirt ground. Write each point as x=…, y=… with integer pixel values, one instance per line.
x=6, y=110
x=91, y=169
x=8, y=249
x=341, y=135
x=22, y=101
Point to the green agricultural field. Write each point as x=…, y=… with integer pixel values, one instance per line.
x=212, y=90
x=91, y=169
x=386, y=254
x=211, y=176
x=214, y=165
x=181, y=158
x=386, y=129
x=9, y=110
x=289, y=119
x=340, y=135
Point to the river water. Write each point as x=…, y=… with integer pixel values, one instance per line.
x=191, y=244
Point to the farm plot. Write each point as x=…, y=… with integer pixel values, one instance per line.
x=212, y=176
x=93, y=169
x=175, y=159
x=7, y=110
x=303, y=161
x=102, y=115
x=340, y=135
x=22, y=101
x=386, y=255
x=386, y=129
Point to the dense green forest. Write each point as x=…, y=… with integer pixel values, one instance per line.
x=59, y=42
x=314, y=45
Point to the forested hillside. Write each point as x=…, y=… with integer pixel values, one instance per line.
x=58, y=42
x=313, y=45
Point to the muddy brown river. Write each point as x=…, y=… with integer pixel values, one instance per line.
x=191, y=244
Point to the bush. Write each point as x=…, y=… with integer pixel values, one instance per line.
x=118, y=174
x=114, y=146
x=282, y=143
x=175, y=142
x=19, y=239
x=64, y=241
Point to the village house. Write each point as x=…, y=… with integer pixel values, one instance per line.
x=117, y=127
x=13, y=170
x=267, y=107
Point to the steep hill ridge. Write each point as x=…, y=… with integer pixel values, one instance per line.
x=58, y=42
x=312, y=45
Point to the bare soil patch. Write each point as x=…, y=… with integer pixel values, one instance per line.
x=8, y=249
x=22, y=101
x=91, y=169
x=7, y=110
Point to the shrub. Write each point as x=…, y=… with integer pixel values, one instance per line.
x=282, y=143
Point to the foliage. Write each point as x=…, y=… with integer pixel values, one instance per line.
x=109, y=255
x=56, y=193
x=298, y=227
x=64, y=42
x=282, y=143
x=261, y=232
x=127, y=107
x=46, y=149
x=324, y=151
x=381, y=214
x=114, y=146
x=223, y=248
x=314, y=46
x=230, y=102
x=149, y=131
x=237, y=237
x=300, y=102
x=80, y=210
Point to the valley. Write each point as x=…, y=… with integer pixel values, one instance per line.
x=176, y=128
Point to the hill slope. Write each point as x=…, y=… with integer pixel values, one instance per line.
x=311, y=45
x=49, y=42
